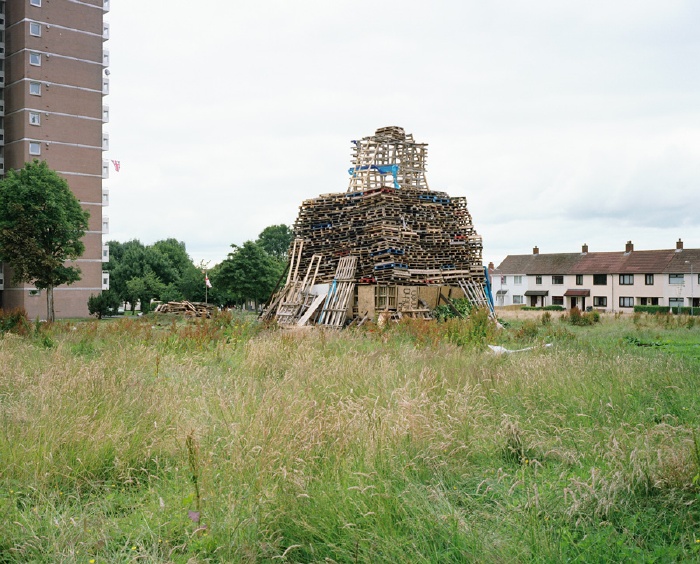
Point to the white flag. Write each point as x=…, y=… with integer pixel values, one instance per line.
x=206, y=281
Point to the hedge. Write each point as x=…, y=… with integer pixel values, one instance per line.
x=667, y=309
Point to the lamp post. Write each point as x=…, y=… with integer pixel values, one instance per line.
x=692, y=287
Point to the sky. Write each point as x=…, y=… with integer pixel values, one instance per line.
x=562, y=123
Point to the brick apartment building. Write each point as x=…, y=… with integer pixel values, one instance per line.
x=53, y=79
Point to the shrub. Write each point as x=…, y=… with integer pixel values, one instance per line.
x=15, y=321
x=105, y=303
x=445, y=312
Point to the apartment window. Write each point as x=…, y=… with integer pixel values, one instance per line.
x=626, y=302
x=35, y=59
x=34, y=118
x=557, y=279
x=517, y=300
x=35, y=88
x=558, y=300
x=517, y=280
x=649, y=279
x=36, y=3
x=600, y=301
x=626, y=279
x=34, y=148
x=676, y=278
x=649, y=301
x=579, y=279
x=35, y=29
x=676, y=302
x=600, y=279
x=538, y=280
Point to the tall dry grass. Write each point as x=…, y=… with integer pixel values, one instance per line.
x=219, y=441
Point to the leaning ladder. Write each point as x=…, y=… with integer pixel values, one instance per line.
x=335, y=308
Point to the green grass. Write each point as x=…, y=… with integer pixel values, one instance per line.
x=410, y=443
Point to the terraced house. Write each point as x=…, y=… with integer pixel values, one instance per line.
x=606, y=281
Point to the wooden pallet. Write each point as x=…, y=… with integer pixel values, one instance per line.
x=335, y=308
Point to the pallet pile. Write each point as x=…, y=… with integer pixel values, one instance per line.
x=400, y=230
x=189, y=309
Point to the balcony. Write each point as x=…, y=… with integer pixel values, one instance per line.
x=105, y=86
x=105, y=114
x=105, y=31
x=105, y=58
x=105, y=168
x=105, y=141
x=105, y=253
x=105, y=225
x=105, y=5
x=105, y=196
x=105, y=280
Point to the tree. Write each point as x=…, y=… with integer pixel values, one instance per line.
x=248, y=274
x=41, y=227
x=275, y=240
x=104, y=303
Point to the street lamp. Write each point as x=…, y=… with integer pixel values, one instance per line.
x=692, y=293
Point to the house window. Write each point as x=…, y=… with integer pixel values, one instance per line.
x=626, y=302
x=34, y=148
x=538, y=280
x=626, y=279
x=676, y=278
x=36, y=3
x=649, y=301
x=517, y=300
x=557, y=279
x=649, y=279
x=676, y=302
x=600, y=279
x=600, y=301
x=35, y=29
x=579, y=279
x=517, y=280
x=35, y=88
x=558, y=300
x=35, y=59
x=384, y=297
x=34, y=118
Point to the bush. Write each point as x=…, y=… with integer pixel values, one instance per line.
x=575, y=317
x=105, y=303
x=667, y=309
x=445, y=312
x=15, y=321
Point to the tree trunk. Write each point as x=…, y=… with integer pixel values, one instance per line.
x=50, y=315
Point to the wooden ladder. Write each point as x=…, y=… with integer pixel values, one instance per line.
x=335, y=308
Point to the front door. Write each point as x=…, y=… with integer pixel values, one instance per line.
x=533, y=301
x=574, y=303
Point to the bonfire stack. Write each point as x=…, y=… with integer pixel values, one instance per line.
x=189, y=309
x=400, y=230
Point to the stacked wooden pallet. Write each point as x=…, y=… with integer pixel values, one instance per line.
x=397, y=234
x=400, y=230
x=189, y=309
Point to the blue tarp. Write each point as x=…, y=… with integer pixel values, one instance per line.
x=381, y=169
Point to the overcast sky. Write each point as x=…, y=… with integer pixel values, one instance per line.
x=562, y=123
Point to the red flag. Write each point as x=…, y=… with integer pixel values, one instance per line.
x=117, y=165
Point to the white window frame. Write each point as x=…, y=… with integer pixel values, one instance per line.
x=35, y=148
x=676, y=302
x=38, y=88
x=626, y=301
x=35, y=29
x=34, y=59
x=36, y=3
x=676, y=279
x=518, y=300
x=517, y=281
x=34, y=118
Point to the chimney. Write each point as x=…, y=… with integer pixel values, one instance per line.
x=629, y=247
x=584, y=248
x=491, y=267
x=535, y=251
x=679, y=245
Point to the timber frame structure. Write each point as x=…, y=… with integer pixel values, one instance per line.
x=388, y=247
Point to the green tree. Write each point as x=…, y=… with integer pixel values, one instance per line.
x=104, y=303
x=41, y=227
x=248, y=274
x=275, y=240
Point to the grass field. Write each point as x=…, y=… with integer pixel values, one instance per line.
x=155, y=440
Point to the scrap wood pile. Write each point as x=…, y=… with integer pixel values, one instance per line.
x=189, y=309
x=400, y=230
x=388, y=228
